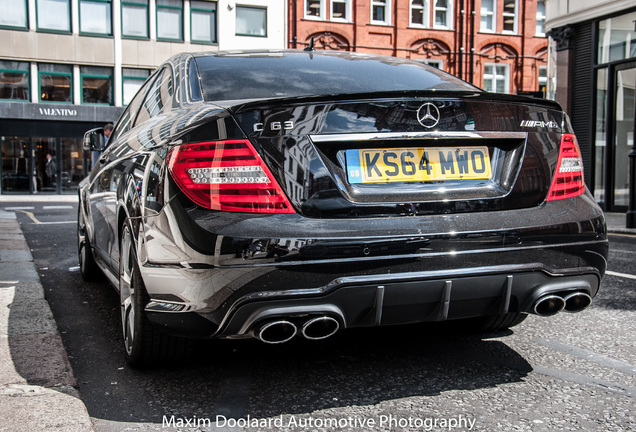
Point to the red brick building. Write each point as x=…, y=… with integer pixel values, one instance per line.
x=498, y=45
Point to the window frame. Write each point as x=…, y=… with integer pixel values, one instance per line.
x=425, y=14
x=26, y=72
x=49, y=30
x=386, y=4
x=90, y=75
x=348, y=11
x=449, y=15
x=540, y=18
x=264, y=8
x=320, y=16
x=159, y=7
x=146, y=6
x=436, y=63
x=68, y=74
x=494, y=75
x=125, y=77
x=79, y=12
x=26, y=18
x=490, y=13
x=515, y=16
x=542, y=79
x=215, y=15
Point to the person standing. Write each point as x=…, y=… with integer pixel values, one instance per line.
x=50, y=169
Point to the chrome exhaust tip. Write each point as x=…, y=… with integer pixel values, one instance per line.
x=320, y=328
x=577, y=301
x=276, y=332
x=549, y=305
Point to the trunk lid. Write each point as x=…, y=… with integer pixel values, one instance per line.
x=383, y=155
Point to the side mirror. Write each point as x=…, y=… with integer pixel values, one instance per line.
x=94, y=140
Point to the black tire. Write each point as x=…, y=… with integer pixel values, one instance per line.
x=144, y=345
x=88, y=267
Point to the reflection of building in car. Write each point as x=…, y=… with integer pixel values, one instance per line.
x=327, y=202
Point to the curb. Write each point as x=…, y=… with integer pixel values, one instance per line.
x=38, y=390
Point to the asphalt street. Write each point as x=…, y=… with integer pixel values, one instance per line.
x=570, y=372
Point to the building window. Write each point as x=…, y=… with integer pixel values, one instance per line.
x=443, y=13
x=543, y=79
x=340, y=10
x=251, y=21
x=134, y=19
x=380, y=11
x=14, y=14
x=509, y=16
x=540, y=18
x=314, y=9
x=54, y=15
x=95, y=17
x=170, y=20
x=419, y=15
x=437, y=64
x=203, y=21
x=497, y=78
x=132, y=81
x=97, y=85
x=14, y=80
x=617, y=38
x=487, y=13
x=56, y=83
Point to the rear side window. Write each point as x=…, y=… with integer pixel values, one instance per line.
x=126, y=120
x=158, y=96
x=271, y=75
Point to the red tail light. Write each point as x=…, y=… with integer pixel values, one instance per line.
x=568, y=179
x=228, y=176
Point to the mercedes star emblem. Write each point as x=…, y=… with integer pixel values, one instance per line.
x=428, y=115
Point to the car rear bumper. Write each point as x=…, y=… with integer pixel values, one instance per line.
x=448, y=272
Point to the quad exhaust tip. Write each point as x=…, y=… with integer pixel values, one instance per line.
x=277, y=332
x=282, y=330
x=549, y=305
x=552, y=304
x=576, y=302
x=320, y=328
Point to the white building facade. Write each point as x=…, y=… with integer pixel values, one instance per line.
x=69, y=65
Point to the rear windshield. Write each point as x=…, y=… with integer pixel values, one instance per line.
x=273, y=75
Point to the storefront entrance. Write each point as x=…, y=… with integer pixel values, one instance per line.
x=624, y=87
x=42, y=157
x=615, y=105
x=616, y=108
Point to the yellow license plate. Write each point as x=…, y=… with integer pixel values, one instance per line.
x=389, y=165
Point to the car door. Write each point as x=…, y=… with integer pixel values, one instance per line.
x=105, y=179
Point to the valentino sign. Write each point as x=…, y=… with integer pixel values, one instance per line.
x=58, y=112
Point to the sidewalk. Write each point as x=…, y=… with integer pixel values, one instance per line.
x=616, y=224
x=37, y=385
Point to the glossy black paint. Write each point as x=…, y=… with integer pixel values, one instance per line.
x=355, y=252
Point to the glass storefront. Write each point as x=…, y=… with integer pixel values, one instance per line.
x=41, y=143
x=43, y=157
x=16, y=164
x=75, y=168
x=600, y=135
x=615, y=109
x=42, y=164
x=623, y=132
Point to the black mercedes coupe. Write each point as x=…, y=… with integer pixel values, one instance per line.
x=283, y=194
